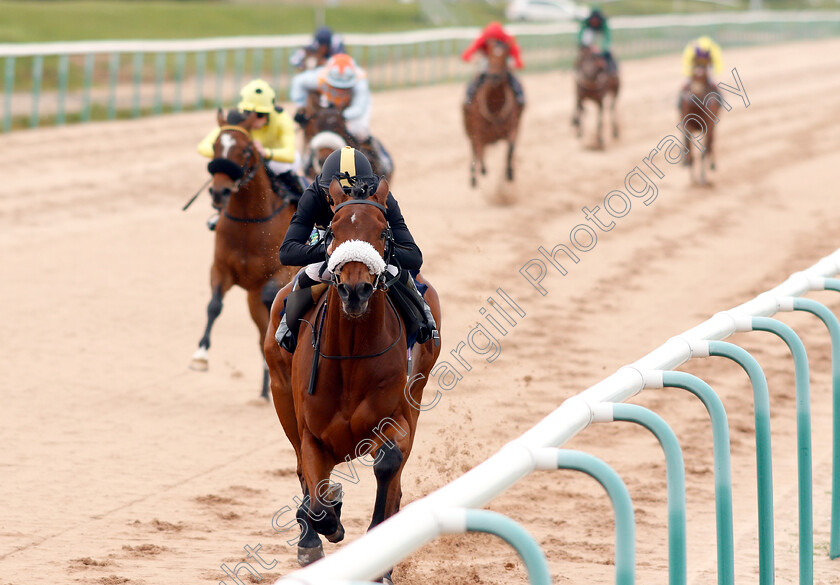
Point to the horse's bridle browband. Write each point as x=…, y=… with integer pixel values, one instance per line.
x=379, y=206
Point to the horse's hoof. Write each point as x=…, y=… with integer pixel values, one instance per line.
x=307, y=556
x=199, y=360
x=387, y=578
x=338, y=536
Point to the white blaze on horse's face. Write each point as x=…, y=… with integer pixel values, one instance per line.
x=227, y=143
x=353, y=218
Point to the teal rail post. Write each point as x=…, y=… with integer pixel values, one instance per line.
x=257, y=55
x=63, y=72
x=803, y=441
x=113, y=77
x=221, y=66
x=200, y=68
x=180, y=65
x=137, y=66
x=87, y=83
x=160, y=68
x=675, y=473
x=763, y=452
x=834, y=548
x=625, y=524
x=238, y=67
x=37, y=77
x=512, y=533
x=827, y=317
x=8, y=90
x=723, y=468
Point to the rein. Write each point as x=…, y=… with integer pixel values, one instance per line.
x=504, y=113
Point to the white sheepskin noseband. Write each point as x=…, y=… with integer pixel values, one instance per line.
x=356, y=251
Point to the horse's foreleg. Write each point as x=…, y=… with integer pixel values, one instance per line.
x=613, y=115
x=323, y=512
x=259, y=313
x=310, y=548
x=600, y=124
x=214, y=309
x=511, y=144
x=388, y=471
x=577, y=116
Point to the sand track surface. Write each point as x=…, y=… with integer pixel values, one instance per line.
x=120, y=465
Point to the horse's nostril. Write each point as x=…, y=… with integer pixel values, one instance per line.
x=364, y=290
x=343, y=292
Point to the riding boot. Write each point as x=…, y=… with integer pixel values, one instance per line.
x=474, y=86
x=518, y=92
x=284, y=336
x=428, y=329
x=292, y=183
x=212, y=221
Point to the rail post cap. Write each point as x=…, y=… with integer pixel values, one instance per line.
x=810, y=281
x=740, y=323
x=450, y=520
x=579, y=402
x=546, y=458
x=603, y=412
x=635, y=375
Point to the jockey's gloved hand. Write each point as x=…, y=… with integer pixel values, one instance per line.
x=300, y=117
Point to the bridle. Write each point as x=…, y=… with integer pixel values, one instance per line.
x=244, y=173
x=382, y=283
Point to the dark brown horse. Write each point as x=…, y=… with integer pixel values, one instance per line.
x=251, y=227
x=493, y=113
x=359, y=403
x=326, y=131
x=700, y=86
x=595, y=82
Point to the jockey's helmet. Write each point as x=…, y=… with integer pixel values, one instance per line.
x=323, y=36
x=494, y=30
x=349, y=166
x=341, y=71
x=257, y=96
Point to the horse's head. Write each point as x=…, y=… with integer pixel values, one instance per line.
x=360, y=233
x=497, y=60
x=700, y=64
x=590, y=64
x=234, y=156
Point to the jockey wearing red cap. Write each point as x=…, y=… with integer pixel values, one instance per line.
x=494, y=31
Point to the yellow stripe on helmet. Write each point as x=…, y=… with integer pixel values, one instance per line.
x=347, y=164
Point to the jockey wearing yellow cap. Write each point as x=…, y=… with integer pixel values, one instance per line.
x=704, y=49
x=274, y=138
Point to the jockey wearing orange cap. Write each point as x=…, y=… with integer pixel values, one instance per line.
x=495, y=32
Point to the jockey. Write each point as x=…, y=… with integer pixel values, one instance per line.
x=704, y=48
x=595, y=34
x=274, y=138
x=324, y=45
x=495, y=31
x=314, y=214
x=344, y=84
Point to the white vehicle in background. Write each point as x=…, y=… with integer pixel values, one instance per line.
x=541, y=10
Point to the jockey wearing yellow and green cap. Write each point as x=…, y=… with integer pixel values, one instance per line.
x=703, y=48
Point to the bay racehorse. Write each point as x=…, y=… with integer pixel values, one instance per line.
x=347, y=394
x=493, y=113
x=700, y=86
x=325, y=131
x=594, y=82
x=251, y=228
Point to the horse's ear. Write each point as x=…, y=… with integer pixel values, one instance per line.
x=337, y=193
x=248, y=122
x=220, y=117
x=381, y=195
